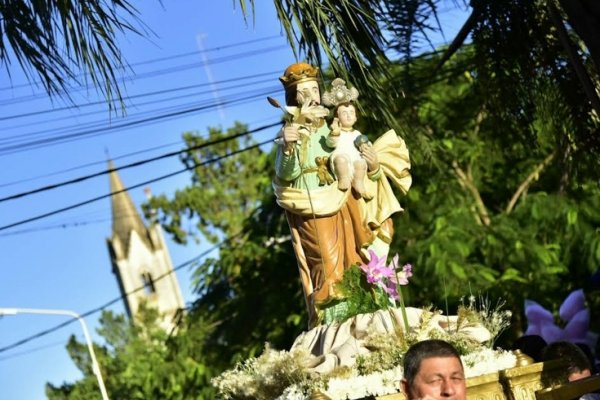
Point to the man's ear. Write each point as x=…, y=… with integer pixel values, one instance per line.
x=405, y=388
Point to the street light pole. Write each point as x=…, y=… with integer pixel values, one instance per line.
x=88, y=339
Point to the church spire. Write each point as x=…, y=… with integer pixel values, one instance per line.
x=125, y=217
x=140, y=259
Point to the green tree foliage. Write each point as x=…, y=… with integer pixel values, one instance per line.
x=223, y=193
x=140, y=361
x=251, y=291
x=489, y=209
x=488, y=213
x=54, y=41
x=515, y=45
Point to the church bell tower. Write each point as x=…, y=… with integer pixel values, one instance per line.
x=140, y=259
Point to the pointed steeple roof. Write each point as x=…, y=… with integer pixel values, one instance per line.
x=125, y=217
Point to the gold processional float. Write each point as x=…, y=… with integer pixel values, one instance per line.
x=526, y=381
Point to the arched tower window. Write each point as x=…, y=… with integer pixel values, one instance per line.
x=148, y=282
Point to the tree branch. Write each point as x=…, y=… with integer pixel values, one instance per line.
x=460, y=38
x=533, y=176
x=466, y=181
x=584, y=78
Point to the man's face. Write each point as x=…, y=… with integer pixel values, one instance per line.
x=312, y=89
x=438, y=378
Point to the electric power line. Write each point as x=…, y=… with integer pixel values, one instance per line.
x=65, y=225
x=92, y=200
x=114, y=158
x=137, y=163
x=113, y=301
x=34, y=350
x=165, y=71
x=140, y=95
x=156, y=60
x=20, y=138
x=141, y=122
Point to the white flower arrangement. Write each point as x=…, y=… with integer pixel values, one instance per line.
x=376, y=369
x=358, y=386
x=487, y=361
x=286, y=375
x=386, y=382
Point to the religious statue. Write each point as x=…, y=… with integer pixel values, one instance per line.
x=346, y=160
x=332, y=228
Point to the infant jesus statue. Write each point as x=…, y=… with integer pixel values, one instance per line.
x=346, y=160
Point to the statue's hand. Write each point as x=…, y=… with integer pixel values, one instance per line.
x=369, y=155
x=335, y=127
x=290, y=136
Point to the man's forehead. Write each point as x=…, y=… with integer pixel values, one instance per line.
x=436, y=365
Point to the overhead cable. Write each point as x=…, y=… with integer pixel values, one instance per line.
x=136, y=163
x=144, y=121
x=111, y=302
x=92, y=200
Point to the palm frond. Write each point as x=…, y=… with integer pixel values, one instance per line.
x=58, y=42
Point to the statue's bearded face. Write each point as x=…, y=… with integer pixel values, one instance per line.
x=310, y=92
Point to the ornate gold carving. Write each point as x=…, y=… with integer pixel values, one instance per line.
x=323, y=174
x=522, y=358
x=522, y=382
x=317, y=395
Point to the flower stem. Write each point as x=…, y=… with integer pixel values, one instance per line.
x=403, y=309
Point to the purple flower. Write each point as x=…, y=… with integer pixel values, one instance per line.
x=376, y=269
x=391, y=289
x=536, y=314
x=574, y=303
x=400, y=277
x=552, y=333
x=577, y=328
x=572, y=311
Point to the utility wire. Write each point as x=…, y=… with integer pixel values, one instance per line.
x=113, y=301
x=34, y=350
x=20, y=137
x=92, y=200
x=156, y=60
x=132, y=97
x=114, y=158
x=104, y=130
x=137, y=163
x=65, y=225
x=165, y=71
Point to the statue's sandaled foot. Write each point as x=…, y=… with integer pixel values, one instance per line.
x=344, y=184
x=359, y=187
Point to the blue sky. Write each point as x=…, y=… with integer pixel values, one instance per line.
x=61, y=262
x=48, y=266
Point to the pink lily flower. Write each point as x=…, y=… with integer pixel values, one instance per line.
x=376, y=269
x=400, y=277
x=391, y=289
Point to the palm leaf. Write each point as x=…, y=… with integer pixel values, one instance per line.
x=58, y=42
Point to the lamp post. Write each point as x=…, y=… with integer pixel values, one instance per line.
x=95, y=366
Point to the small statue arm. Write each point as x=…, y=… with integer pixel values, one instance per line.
x=334, y=135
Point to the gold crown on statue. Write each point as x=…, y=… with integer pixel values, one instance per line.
x=339, y=94
x=298, y=73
